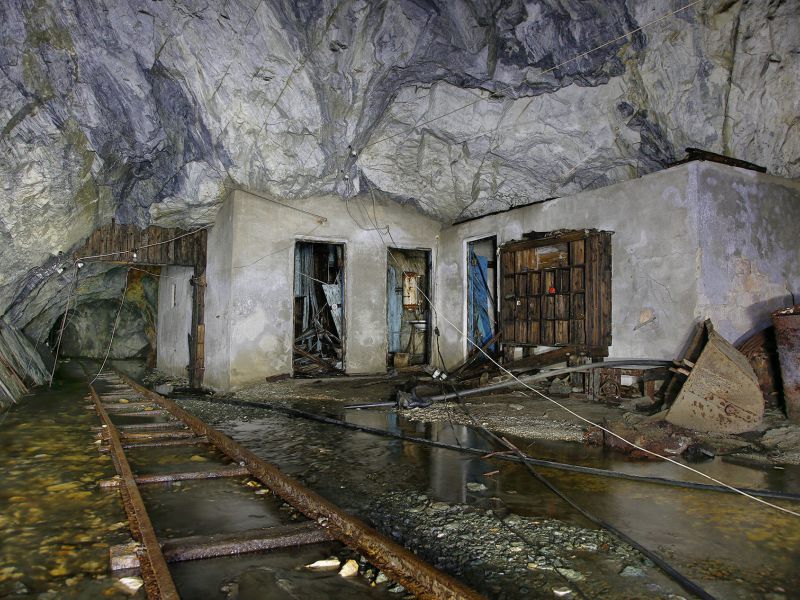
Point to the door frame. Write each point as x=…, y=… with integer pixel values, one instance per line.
x=465, y=345
x=429, y=323
x=345, y=293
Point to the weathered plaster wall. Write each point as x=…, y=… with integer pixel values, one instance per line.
x=653, y=259
x=259, y=324
x=174, y=320
x=218, y=299
x=749, y=255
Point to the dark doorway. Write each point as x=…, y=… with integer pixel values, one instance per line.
x=407, y=311
x=481, y=295
x=319, y=325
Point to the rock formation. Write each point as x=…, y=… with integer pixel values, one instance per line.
x=151, y=112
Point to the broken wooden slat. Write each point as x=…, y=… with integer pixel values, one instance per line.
x=316, y=359
x=160, y=444
x=225, y=544
x=235, y=471
x=257, y=540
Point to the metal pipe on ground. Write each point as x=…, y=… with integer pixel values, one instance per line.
x=399, y=563
x=621, y=362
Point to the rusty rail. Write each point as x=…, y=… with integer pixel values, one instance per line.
x=414, y=574
x=155, y=572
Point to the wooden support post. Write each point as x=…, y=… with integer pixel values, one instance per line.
x=197, y=338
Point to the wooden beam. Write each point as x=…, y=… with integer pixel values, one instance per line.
x=226, y=544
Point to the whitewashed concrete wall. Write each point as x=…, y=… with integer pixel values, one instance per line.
x=653, y=259
x=252, y=309
x=749, y=255
x=174, y=320
x=694, y=241
x=700, y=240
x=218, y=300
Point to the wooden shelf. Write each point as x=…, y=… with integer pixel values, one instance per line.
x=577, y=267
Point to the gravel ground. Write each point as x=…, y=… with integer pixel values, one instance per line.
x=514, y=557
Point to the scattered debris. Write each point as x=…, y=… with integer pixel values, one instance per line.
x=761, y=351
x=350, y=569
x=130, y=585
x=325, y=564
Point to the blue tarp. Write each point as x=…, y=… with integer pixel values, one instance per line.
x=480, y=302
x=394, y=296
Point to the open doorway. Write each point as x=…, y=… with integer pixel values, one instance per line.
x=319, y=326
x=407, y=311
x=481, y=295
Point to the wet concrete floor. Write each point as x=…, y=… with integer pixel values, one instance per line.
x=734, y=547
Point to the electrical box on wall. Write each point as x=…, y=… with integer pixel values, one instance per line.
x=410, y=284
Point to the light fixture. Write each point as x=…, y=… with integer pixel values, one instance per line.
x=134, y=256
x=80, y=265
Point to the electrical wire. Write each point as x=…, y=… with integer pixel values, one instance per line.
x=676, y=575
x=289, y=206
x=114, y=328
x=482, y=452
x=63, y=324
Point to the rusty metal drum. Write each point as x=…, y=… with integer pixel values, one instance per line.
x=787, y=336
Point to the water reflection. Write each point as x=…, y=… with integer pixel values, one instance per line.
x=735, y=547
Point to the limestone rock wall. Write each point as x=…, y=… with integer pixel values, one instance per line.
x=151, y=112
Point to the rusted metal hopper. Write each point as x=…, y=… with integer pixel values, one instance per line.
x=721, y=393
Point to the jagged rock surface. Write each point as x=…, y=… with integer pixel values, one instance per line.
x=150, y=112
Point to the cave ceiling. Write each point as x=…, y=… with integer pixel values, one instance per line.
x=151, y=112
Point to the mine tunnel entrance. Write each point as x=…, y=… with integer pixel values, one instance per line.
x=114, y=316
x=138, y=293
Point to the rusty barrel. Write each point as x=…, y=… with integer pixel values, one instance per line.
x=787, y=336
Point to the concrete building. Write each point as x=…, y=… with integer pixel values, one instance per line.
x=699, y=240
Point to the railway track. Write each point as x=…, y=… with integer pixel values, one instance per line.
x=134, y=417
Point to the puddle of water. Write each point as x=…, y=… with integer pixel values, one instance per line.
x=277, y=575
x=733, y=546
x=56, y=525
x=173, y=459
x=207, y=507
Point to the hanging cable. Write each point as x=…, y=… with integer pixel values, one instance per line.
x=63, y=324
x=114, y=328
